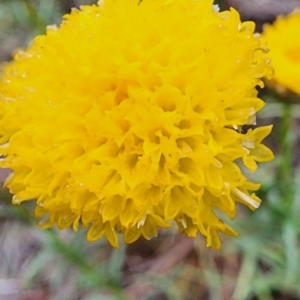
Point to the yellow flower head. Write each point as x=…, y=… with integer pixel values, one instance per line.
x=129, y=116
x=283, y=39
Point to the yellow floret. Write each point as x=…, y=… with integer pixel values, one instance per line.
x=128, y=116
x=283, y=39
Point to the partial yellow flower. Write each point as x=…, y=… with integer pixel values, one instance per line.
x=283, y=39
x=128, y=116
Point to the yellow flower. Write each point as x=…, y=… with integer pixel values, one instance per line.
x=128, y=116
x=283, y=39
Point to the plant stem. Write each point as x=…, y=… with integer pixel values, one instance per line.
x=285, y=168
x=38, y=22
